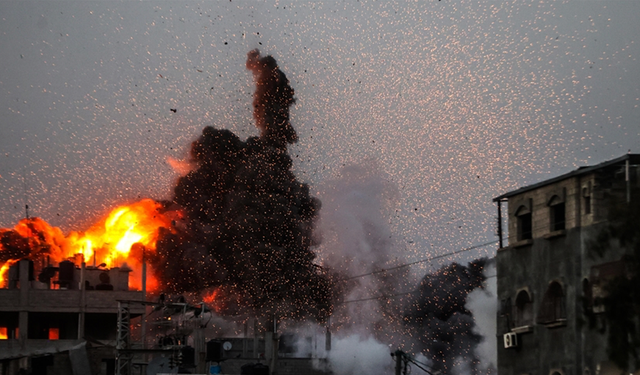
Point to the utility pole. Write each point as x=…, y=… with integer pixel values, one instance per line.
x=401, y=357
x=398, y=355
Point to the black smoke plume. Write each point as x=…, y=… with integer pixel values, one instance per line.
x=439, y=313
x=247, y=230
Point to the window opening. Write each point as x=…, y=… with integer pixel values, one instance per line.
x=552, y=308
x=524, y=224
x=587, y=295
x=524, y=309
x=586, y=197
x=557, y=214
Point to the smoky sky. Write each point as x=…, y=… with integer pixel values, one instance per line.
x=439, y=313
x=459, y=101
x=248, y=225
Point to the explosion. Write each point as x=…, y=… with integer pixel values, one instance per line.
x=238, y=234
x=248, y=221
x=439, y=311
x=245, y=222
x=110, y=241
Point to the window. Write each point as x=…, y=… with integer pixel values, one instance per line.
x=557, y=214
x=53, y=326
x=524, y=309
x=552, y=308
x=524, y=222
x=586, y=198
x=9, y=325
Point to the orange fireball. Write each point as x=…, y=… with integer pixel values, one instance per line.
x=110, y=241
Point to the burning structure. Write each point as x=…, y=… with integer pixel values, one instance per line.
x=237, y=237
x=237, y=234
x=247, y=220
x=566, y=278
x=61, y=310
x=60, y=293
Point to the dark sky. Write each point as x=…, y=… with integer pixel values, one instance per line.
x=454, y=102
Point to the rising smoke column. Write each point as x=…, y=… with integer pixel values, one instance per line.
x=248, y=225
x=438, y=312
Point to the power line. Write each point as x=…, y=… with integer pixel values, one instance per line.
x=421, y=261
x=420, y=367
x=390, y=295
x=377, y=297
x=398, y=267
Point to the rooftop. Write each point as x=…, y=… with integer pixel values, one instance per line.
x=633, y=159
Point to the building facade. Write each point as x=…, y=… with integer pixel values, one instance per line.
x=550, y=322
x=62, y=319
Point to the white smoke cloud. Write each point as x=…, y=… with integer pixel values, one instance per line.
x=354, y=355
x=357, y=238
x=483, y=303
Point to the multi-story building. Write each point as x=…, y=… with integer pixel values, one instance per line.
x=69, y=319
x=62, y=319
x=549, y=277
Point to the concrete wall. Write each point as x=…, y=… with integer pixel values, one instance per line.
x=534, y=267
x=577, y=344
x=537, y=202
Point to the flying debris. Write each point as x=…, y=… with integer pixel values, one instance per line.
x=248, y=225
x=439, y=312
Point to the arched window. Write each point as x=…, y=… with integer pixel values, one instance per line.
x=524, y=309
x=552, y=308
x=523, y=215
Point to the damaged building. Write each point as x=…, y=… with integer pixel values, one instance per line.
x=78, y=319
x=62, y=319
x=551, y=282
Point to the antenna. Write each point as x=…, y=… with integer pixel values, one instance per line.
x=24, y=184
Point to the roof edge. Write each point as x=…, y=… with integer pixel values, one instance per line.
x=632, y=158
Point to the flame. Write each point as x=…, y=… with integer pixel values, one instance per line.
x=121, y=238
x=5, y=269
x=54, y=333
x=210, y=297
x=3, y=333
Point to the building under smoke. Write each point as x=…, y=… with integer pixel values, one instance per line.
x=237, y=233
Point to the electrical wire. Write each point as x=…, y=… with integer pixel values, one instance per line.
x=420, y=367
x=418, y=362
x=421, y=261
x=403, y=266
x=377, y=297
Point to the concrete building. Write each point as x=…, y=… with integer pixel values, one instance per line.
x=62, y=320
x=547, y=277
